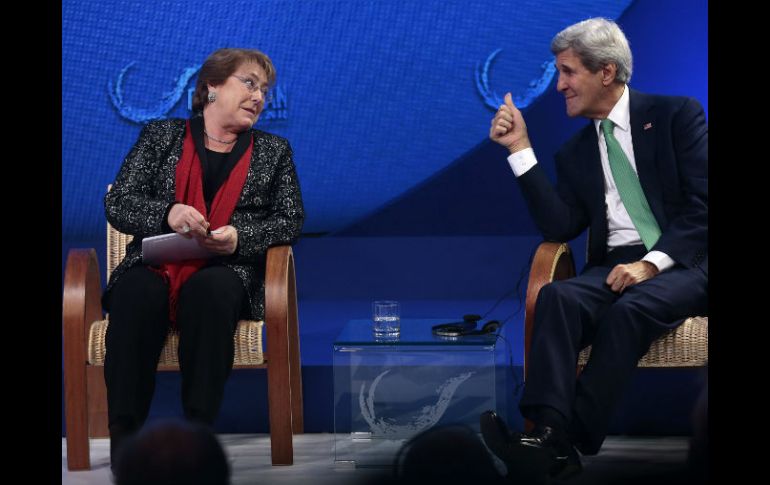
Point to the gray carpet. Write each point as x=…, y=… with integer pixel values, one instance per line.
x=622, y=460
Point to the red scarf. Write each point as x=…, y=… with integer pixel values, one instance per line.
x=189, y=191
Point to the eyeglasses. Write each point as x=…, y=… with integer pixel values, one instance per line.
x=251, y=86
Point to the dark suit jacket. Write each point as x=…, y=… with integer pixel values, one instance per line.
x=672, y=163
x=269, y=211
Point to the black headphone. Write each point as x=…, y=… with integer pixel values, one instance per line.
x=466, y=327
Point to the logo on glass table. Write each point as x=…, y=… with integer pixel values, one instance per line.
x=429, y=415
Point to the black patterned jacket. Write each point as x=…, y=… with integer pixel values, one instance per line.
x=269, y=211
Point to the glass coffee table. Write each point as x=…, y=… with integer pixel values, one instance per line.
x=387, y=390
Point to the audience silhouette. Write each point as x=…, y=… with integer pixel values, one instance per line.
x=172, y=452
x=452, y=454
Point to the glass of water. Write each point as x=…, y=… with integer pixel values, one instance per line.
x=386, y=315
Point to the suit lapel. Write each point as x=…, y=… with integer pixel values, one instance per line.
x=643, y=133
x=591, y=168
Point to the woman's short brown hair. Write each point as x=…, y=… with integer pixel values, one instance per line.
x=221, y=64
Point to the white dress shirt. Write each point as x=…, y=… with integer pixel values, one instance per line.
x=621, y=230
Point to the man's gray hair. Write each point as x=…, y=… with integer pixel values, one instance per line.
x=597, y=42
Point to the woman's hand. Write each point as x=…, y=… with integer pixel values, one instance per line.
x=223, y=240
x=187, y=221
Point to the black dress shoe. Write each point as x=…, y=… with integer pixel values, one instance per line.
x=496, y=434
x=533, y=457
x=556, y=450
x=525, y=465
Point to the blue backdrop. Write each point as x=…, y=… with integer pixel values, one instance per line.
x=387, y=105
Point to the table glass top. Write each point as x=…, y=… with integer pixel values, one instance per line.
x=413, y=332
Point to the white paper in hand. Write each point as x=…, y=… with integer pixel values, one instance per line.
x=172, y=248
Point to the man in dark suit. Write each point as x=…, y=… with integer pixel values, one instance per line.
x=637, y=177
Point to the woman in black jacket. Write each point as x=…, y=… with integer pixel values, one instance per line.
x=232, y=188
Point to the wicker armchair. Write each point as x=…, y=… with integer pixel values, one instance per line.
x=84, y=328
x=685, y=346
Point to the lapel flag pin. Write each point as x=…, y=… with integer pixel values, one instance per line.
x=647, y=126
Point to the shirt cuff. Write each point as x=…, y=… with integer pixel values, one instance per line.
x=661, y=260
x=522, y=161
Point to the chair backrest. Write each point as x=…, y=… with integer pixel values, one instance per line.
x=116, y=248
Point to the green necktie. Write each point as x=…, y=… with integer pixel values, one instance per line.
x=630, y=189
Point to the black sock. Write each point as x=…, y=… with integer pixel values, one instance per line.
x=576, y=431
x=548, y=416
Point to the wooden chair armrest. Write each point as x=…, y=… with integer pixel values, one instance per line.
x=282, y=356
x=552, y=262
x=81, y=303
x=280, y=284
x=81, y=306
x=280, y=306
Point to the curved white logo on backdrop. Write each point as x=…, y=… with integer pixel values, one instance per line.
x=276, y=109
x=535, y=89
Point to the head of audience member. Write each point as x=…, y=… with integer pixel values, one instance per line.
x=172, y=452
x=452, y=454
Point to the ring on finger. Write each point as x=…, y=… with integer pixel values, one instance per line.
x=185, y=229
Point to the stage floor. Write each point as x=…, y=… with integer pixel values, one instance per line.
x=623, y=459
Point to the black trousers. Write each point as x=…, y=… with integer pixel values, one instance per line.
x=582, y=311
x=209, y=306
